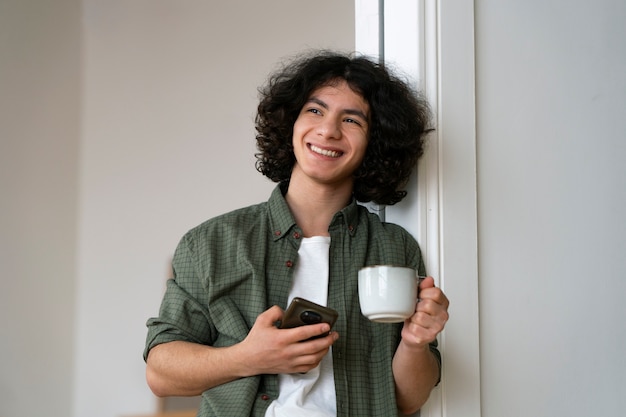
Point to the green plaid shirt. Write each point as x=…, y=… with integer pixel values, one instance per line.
x=230, y=269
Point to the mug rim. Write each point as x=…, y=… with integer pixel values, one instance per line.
x=387, y=265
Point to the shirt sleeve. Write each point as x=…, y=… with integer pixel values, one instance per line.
x=181, y=315
x=415, y=254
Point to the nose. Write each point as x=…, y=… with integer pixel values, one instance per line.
x=329, y=128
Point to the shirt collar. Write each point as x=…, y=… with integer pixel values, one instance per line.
x=347, y=217
x=282, y=220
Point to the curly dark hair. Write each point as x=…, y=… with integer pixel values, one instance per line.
x=399, y=121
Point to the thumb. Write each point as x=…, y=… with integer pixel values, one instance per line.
x=270, y=316
x=427, y=282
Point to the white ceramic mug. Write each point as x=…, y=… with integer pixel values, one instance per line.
x=388, y=293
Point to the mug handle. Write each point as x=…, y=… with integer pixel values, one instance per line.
x=420, y=278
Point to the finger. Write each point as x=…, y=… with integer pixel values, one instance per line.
x=420, y=329
x=310, y=352
x=426, y=324
x=432, y=319
x=431, y=307
x=311, y=331
x=435, y=294
x=305, y=363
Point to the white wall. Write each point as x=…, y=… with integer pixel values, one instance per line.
x=170, y=92
x=39, y=135
x=551, y=105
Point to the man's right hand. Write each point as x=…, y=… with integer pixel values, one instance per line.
x=269, y=350
x=184, y=369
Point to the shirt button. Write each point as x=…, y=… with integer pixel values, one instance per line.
x=296, y=235
x=277, y=233
x=265, y=397
x=351, y=228
x=288, y=264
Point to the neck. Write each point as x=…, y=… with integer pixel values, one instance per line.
x=314, y=205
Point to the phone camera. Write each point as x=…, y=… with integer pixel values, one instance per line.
x=310, y=317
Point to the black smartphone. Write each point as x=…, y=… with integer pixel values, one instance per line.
x=302, y=312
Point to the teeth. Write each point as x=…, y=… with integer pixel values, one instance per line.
x=332, y=154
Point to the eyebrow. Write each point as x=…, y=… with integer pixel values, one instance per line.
x=354, y=112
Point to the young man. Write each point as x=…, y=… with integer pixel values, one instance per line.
x=332, y=129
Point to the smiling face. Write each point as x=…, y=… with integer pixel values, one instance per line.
x=330, y=135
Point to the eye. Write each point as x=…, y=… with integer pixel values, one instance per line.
x=314, y=110
x=357, y=122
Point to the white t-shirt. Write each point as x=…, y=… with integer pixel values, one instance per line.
x=313, y=393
